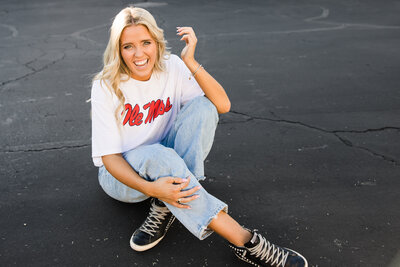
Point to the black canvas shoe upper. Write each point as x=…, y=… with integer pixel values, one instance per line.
x=260, y=252
x=153, y=228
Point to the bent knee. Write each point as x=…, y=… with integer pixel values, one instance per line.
x=204, y=109
x=155, y=161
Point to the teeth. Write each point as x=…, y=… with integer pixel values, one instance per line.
x=140, y=63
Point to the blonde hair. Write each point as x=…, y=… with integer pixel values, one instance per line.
x=114, y=65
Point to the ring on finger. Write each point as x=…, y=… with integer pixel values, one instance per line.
x=179, y=201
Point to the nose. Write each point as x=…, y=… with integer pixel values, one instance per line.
x=138, y=52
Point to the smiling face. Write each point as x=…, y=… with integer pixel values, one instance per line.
x=139, y=51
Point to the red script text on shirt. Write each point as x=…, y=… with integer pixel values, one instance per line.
x=155, y=109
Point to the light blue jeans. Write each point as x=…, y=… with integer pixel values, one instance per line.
x=180, y=154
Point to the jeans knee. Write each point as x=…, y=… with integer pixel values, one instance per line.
x=204, y=109
x=155, y=161
x=166, y=162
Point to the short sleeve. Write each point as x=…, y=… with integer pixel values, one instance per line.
x=190, y=87
x=106, y=138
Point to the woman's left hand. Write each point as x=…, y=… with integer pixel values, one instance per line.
x=190, y=38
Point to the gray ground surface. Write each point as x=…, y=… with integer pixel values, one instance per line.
x=308, y=155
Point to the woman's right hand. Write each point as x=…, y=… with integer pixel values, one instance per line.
x=170, y=190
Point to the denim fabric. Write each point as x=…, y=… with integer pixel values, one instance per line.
x=180, y=154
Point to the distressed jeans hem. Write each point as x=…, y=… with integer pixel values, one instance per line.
x=205, y=231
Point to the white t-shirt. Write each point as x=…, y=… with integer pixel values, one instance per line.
x=151, y=108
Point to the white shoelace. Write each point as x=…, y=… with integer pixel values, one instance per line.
x=156, y=217
x=269, y=253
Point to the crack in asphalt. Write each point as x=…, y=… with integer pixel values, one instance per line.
x=279, y=119
x=367, y=130
x=33, y=72
x=350, y=144
x=41, y=147
x=32, y=61
x=334, y=132
x=78, y=35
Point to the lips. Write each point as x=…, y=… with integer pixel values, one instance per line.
x=141, y=62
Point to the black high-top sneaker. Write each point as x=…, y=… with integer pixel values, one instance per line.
x=260, y=252
x=153, y=228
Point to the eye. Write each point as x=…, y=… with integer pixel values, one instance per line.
x=147, y=42
x=127, y=46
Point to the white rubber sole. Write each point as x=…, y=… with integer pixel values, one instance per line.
x=145, y=247
x=149, y=246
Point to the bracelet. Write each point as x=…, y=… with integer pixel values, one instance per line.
x=194, y=73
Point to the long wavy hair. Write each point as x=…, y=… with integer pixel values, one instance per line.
x=113, y=63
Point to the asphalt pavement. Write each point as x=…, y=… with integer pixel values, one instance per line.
x=309, y=153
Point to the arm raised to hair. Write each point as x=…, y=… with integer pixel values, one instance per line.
x=211, y=88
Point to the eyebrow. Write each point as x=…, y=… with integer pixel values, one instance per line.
x=145, y=40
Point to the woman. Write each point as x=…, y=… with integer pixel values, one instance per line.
x=154, y=117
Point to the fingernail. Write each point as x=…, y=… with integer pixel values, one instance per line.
x=185, y=180
x=197, y=196
x=189, y=208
